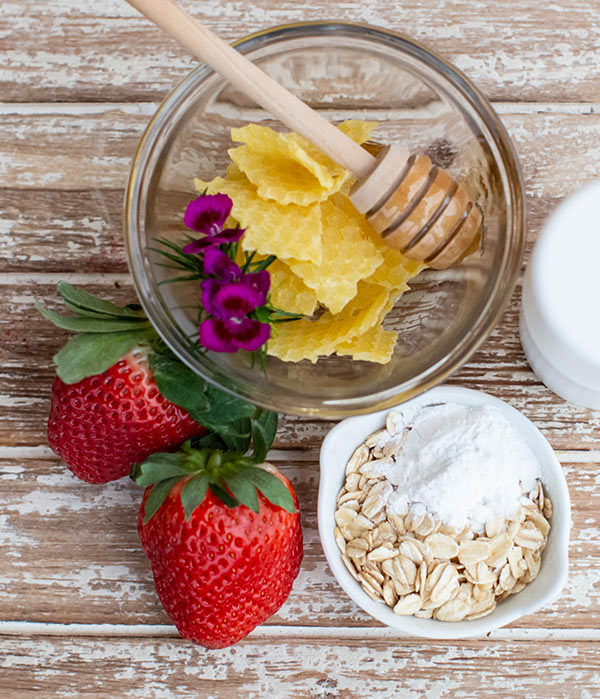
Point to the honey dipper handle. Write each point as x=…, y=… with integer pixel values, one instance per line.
x=251, y=80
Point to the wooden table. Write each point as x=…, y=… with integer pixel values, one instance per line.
x=79, y=80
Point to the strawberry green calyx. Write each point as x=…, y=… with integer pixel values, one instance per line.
x=233, y=478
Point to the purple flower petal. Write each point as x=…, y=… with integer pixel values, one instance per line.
x=261, y=281
x=235, y=300
x=208, y=214
x=232, y=235
x=197, y=246
x=219, y=265
x=212, y=241
x=213, y=335
x=247, y=333
x=209, y=289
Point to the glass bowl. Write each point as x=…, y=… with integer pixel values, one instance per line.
x=343, y=71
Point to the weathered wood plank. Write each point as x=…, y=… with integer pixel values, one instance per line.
x=306, y=668
x=63, y=211
x=87, y=147
x=90, y=147
x=72, y=552
x=54, y=230
x=58, y=231
x=105, y=51
x=27, y=344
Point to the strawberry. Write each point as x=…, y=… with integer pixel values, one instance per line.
x=224, y=541
x=119, y=394
x=105, y=423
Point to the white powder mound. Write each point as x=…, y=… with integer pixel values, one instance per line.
x=462, y=464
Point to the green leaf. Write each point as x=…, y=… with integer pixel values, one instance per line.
x=180, y=385
x=176, y=280
x=210, y=440
x=214, y=409
x=226, y=408
x=78, y=298
x=272, y=488
x=223, y=495
x=262, y=314
x=264, y=427
x=98, y=324
x=159, y=467
x=236, y=435
x=279, y=316
x=157, y=496
x=263, y=264
x=86, y=313
x=243, y=489
x=92, y=353
x=193, y=493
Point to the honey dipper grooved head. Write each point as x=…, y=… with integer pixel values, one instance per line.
x=418, y=208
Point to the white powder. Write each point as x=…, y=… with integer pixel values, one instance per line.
x=462, y=464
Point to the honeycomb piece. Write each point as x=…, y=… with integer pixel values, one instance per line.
x=357, y=129
x=272, y=229
x=280, y=179
x=289, y=169
x=375, y=345
x=395, y=269
x=288, y=292
x=310, y=339
x=347, y=257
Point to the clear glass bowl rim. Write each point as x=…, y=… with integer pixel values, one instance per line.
x=510, y=263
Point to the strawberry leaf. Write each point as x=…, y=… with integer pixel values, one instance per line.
x=226, y=408
x=237, y=436
x=157, y=496
x=93, y=353
x=243, y=489
x=210, y=407
x=223, y=495
x=272, y=488
x=80, y=299
x=264, y=427
x=99, y=324
x=159, y=467
x=180, y=385
x=209, y=440
x=193, y=493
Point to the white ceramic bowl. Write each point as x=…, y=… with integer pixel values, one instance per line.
x=337, y=449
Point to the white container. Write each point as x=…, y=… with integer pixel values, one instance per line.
x=337, y=448
x=560, y=311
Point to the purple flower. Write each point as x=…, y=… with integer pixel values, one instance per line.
x=233, y=334
x=207, y=215
x=261, y=281
x=229, y=303
x=233, y=294
x=230, y=299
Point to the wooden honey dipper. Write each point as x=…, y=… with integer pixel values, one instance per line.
x=416, y=206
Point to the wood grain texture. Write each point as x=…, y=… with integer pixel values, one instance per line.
x=79, y=81
x=514, y=50
x=304, y=668
x=63, y=211
x=71, y=147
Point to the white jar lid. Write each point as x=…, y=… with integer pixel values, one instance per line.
x=560, y=313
